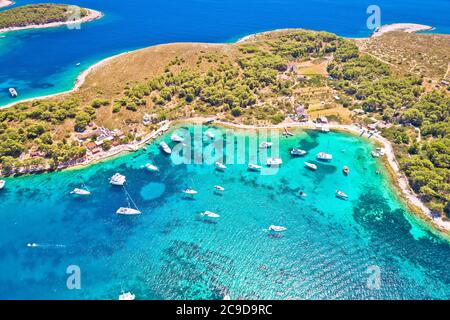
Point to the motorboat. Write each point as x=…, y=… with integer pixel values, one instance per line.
x=277, y=228
x=210, y=214
x=297, y=152
x=2, y=184
x=266, y=145
x=80, y=192
x=189, y=191
x=346, y=170
x=165, y=147
x=151, y=167
x=311, y=166
x=254, y=167
x=127, y=296
x=219, y=188
x=341, y=194
x=118, y=180
x=209, y=135
x=302, y=194
x=324, y=156
x=274, y=162
x=176, y=138
x=13, y=92
x=220, y=166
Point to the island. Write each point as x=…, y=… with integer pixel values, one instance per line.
x=36, y=16
x=394, y=88
x=6, y=3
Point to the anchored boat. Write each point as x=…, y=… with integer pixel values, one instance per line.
x=13, y=92
x=341, y=194
x=165, y=147
x=118, y=180
x=129, y=210
x=266, y=145
x=324, y=156
x=220, y=166
x=2, y=184
x=295, y=152
x=277, y=228
x=346, y=170
x=176, y=138
x=254, y=167
x=151, y=167
x=274, y=162
x=189, y=191
x=219, y=188
x=210, y=214
x=127, y=296
x=311, y=166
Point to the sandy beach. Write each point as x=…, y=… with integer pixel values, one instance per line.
x=92, y=15
x=5, y=3
x=405, y=27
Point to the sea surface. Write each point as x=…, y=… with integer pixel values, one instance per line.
x=366, y=247
x=43, y=62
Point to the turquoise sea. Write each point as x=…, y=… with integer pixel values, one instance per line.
x=42, y=62
x=329, y=251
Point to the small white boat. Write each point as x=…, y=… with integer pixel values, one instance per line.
x=324, y=156
x=118, y=180
x=277, y=228
x=209, y=135
x=78, y=64
x=151, y=167
x=165, y=147
x=220, y=166
x=226, y=297
x=297, y=152
x=13, y=92
x=128, y=211
x=2, y=184
x=176, y=138
x=341, y=194
x=210, y=214
x=274, y=162
x=311, y=166
x=325, y=129
x=127, y=296
x=254, y=167
x=266, y=145
x=32, y=245
x=80, y=192
x=189, y=191
x=219, y=188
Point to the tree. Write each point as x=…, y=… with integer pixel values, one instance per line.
x=82, y=120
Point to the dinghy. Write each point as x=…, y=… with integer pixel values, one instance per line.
x=346, y=170
x=277, y=228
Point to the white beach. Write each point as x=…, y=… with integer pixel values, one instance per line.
x=405, y=27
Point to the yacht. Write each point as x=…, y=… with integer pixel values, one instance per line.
x=311, y=166
x=189, y=191
x=324, y=156
x=13, y=92
x=297, y=152
x=151, y=167
x=118, y=180
x=277, y=228
x=274, y=162
x=254, y=167
x=219, y=188
x=2, y=184
x=165, y=147
x=78, y=64
x=210, y=214
x=266, y=145
x=128, y=210
x=325, y=129
x=341, y=194
x=176, y=138
x=80, y=192
x=220, y=166
x=127, y=296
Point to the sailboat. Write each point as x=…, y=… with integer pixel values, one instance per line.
x=220, y=166
x=254, y=167
x=118, y=180
x=277, y=228
x=2, y=184
x=129, y=210
x=189, y=191
x=82, y=191
x=210, y=214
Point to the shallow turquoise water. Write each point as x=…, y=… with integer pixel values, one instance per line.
x=171, y=252
x=42, y=62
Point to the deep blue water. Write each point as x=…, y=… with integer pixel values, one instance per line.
x=44, y=62
x=171, y=252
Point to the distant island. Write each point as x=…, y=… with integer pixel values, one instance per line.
x=5, y=3
x=43, y=16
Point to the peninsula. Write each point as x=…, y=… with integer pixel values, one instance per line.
x=282, y=78
x=37, y=16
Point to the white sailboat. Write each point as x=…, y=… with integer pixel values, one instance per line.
x=82, y=191
x=151, y=167
x=189, y=191
x=265, y=145
x=127, y=296
x=210, y=214
x=176, y=138
x=220, y=166
x=128, y=210
x=117, y=180
x=311, y=166
x=165, y=147
x=274, y=162
x=277, y=228
x=254, y=167
x=2, y=184
x=297, y=152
